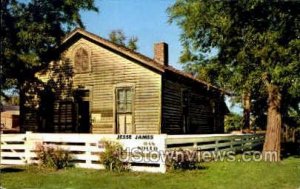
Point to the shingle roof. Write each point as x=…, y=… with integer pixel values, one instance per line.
x=138, y=57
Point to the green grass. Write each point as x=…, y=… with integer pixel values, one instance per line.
x=285, y=174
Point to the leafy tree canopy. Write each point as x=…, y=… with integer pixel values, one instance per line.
x=118, y=37
x=256, y=39
x=258, y=43
x=31, y=30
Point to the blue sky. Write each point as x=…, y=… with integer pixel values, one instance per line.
x=146, y=19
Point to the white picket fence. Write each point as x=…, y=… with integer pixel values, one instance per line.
x=149, y=150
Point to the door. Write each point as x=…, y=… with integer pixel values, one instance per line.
x=82, y=111
x=84, y=117
x=124, y=117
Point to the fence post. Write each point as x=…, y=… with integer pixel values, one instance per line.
x=88, y=154
x=217, y=145
x=163, y=155
x=244, y=141
x=231, y=144
x=195, y=145
x=250, y=140
x=27, y=146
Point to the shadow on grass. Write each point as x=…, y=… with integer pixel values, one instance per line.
x=290, y=149
x=202, y=167
x=11, y=170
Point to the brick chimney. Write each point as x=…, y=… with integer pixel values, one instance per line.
x=161, y=53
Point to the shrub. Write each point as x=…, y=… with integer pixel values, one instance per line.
x=53, y=157
x=233, y=122
x=111, y=157
x=182, y=160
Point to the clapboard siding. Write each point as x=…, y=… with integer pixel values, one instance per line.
x=172, y=111
x=201, y=119
x=109, y=69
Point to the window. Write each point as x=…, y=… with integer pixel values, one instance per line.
x=124, y=117
x=81, y=60
x=124, y=100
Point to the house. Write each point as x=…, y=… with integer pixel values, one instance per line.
x=9, y=118
x=99, y=87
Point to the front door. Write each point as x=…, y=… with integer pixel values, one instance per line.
x=124, y=107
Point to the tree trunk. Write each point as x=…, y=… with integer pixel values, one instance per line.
x=246, y=111
x=271, y=150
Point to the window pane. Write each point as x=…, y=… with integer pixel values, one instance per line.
x=128, y=95
x=128, y=107
x=124, y=100
x=121, y=107
x=121, y=95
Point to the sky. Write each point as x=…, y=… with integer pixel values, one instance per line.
x=145, y=19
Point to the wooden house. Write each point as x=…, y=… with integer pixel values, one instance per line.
x=101, y=87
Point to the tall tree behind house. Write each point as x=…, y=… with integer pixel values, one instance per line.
x=258, y=43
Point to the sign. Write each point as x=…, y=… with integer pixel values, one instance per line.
x=140, y=148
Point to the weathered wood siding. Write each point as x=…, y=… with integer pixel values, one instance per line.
x=157, y=97
x=204, y=114
x=109, y=69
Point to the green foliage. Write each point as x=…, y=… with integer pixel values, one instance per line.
x=233, y=122
x=53, y=157
x=111, y=157
x=132, y=43
x=118, y=37
x=13, y=100
x=30, y=33
x=10, y=99
x=257, y=44
x=182, y=160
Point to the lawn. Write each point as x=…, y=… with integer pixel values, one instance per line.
x=285, y=174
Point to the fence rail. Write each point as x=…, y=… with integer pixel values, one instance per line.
x=19, y=149
x=215, y=142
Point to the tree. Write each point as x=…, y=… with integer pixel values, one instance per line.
x=118, y=37
x=12, y=100
x=132, y=43
x=258, y=51
x=232, y=122
x=31, y=31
